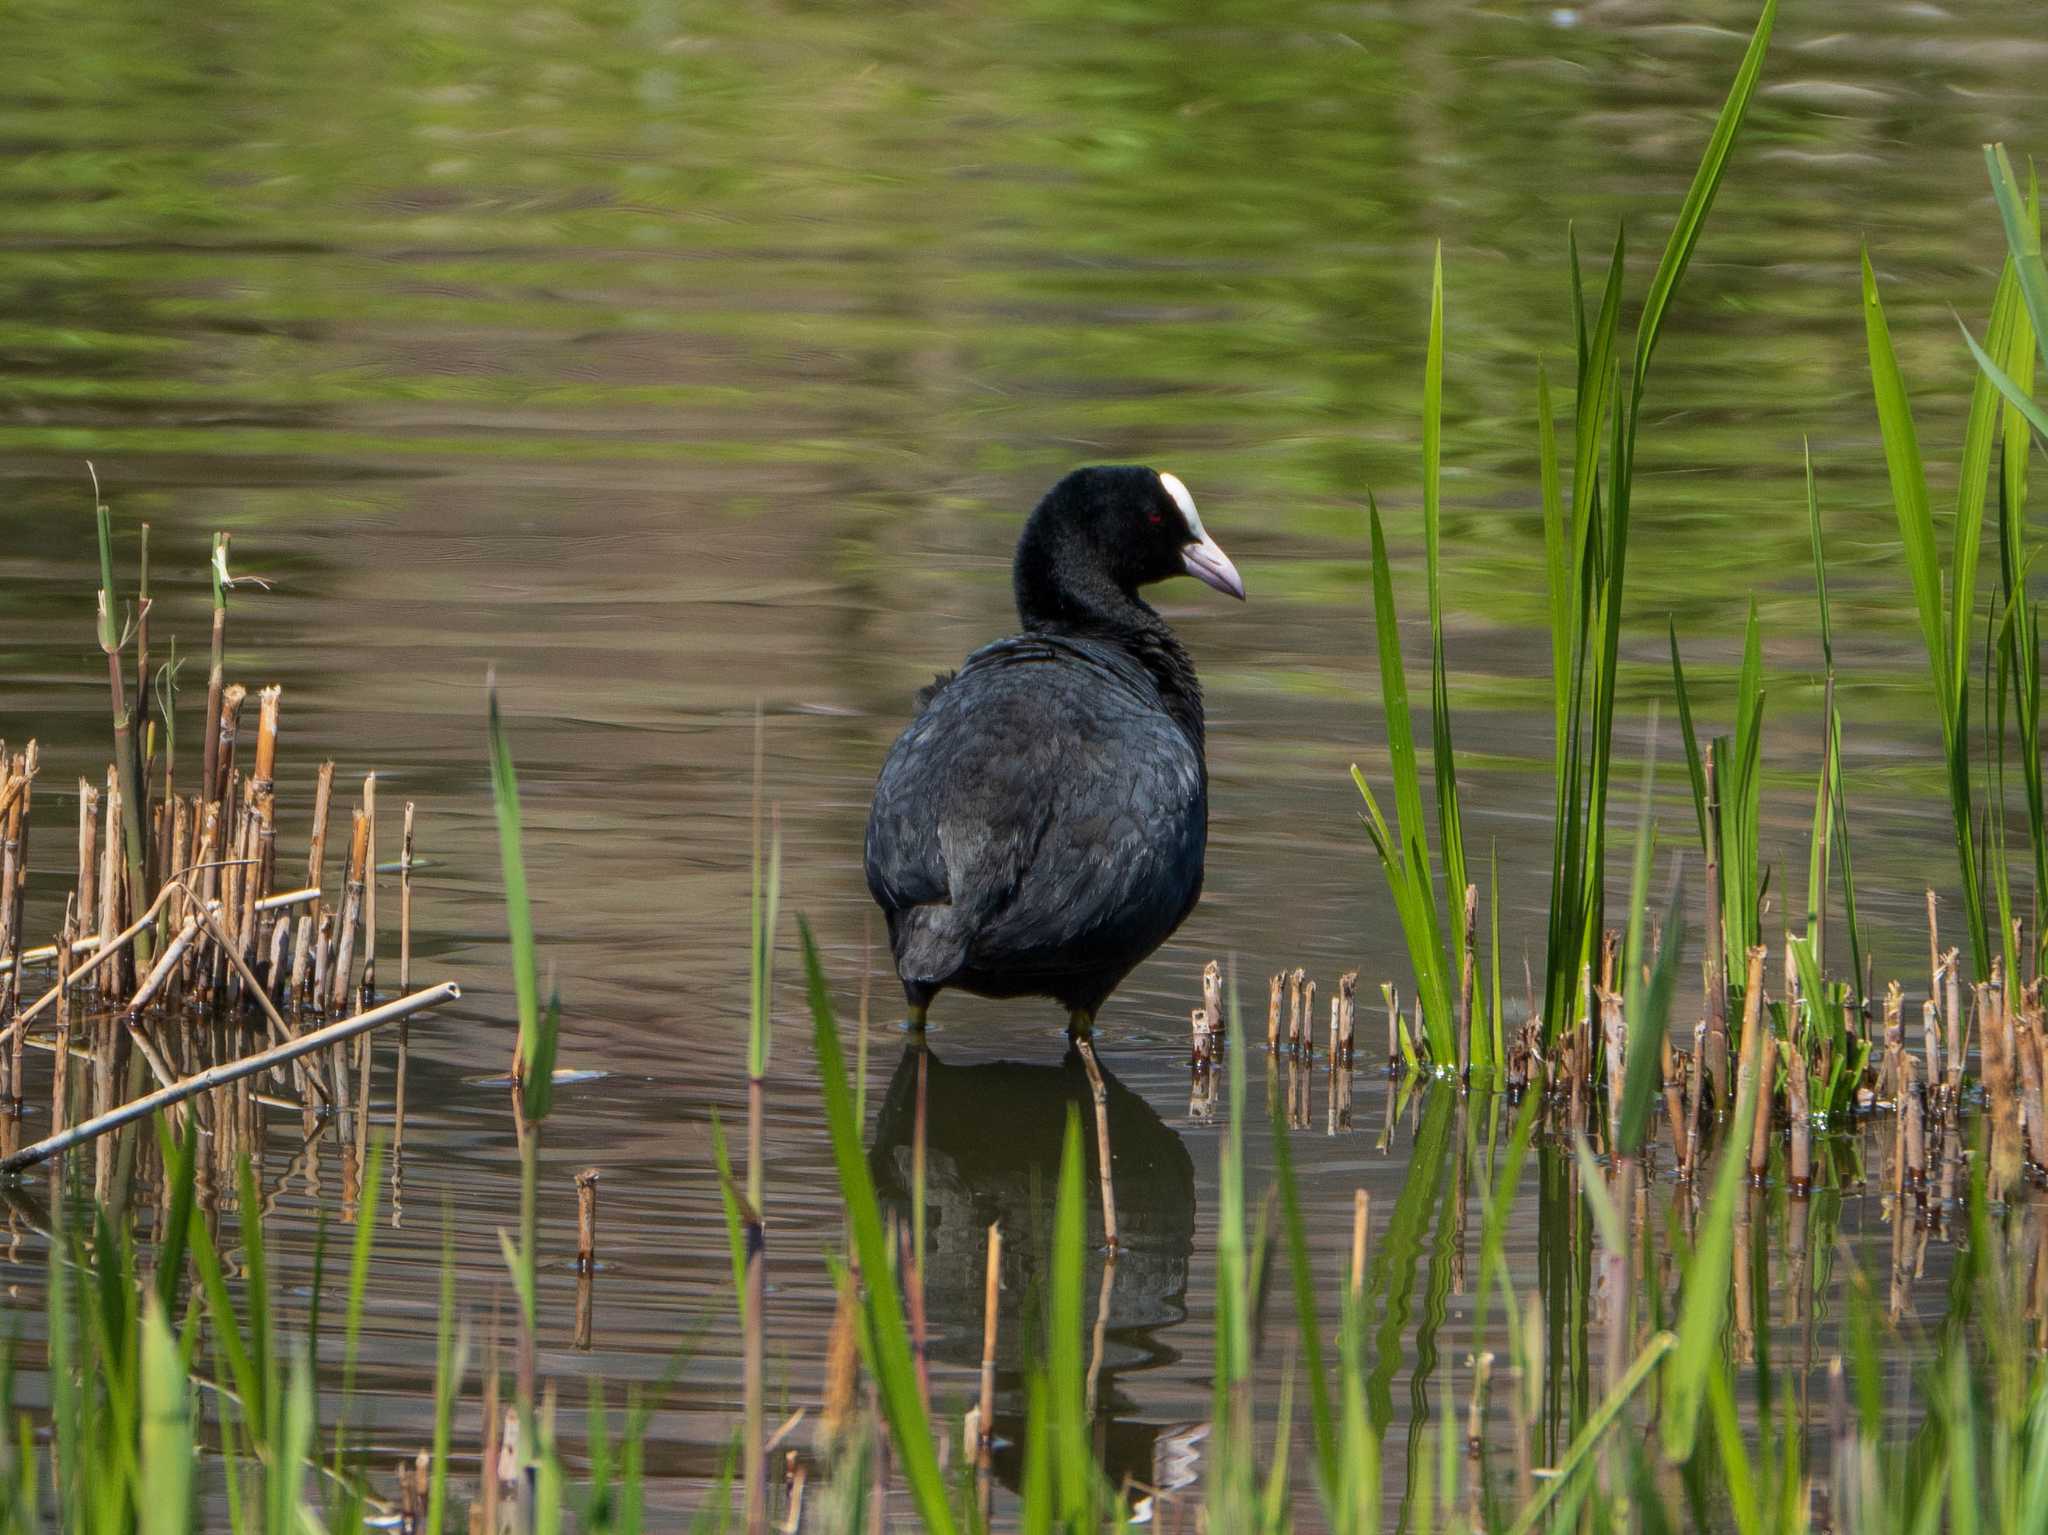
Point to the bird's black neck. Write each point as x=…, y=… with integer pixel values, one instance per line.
x=1092, y=607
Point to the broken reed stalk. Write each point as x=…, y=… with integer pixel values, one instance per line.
x=369, y=937
x=263, y=804
x=1305, y=1045
x=1273, y=985
x=586, y=1220
x=231, y=1071
x=1799, y=1107
x=1294, y=979
x=985, y=1410
x=142, y=656
x=351, y=913
x=60, y=1071
x=209, y=788
x=1716, y=942
x=1953, y=982
x=1760, y=1131
x=1361, y=1217
x=405, y=903
x=127, y=766
x=1466, y=983
x=1347, y=995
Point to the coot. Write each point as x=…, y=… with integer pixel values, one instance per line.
x=1039, y=828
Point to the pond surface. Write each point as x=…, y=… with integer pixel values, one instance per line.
x=679, y=360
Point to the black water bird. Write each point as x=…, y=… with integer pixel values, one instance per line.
x=1039, y=828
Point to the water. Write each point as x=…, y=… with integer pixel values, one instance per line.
x=676, y=360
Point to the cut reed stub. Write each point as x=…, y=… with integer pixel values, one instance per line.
x=586, y=1220
x=1212, y=995
x=1347, y=1024
x=1274, y=984
x=1202, y=1051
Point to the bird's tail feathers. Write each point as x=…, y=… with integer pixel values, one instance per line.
x=931, y=947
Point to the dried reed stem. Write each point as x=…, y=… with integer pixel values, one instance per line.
x=985, y=1412
x=1361, y=1217
x=405, y=903
x=231, y=1071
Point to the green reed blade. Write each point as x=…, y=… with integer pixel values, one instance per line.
x=1604, y=1417
x=227, y=1327
x=536, y=1085
x=1408, y=862
x=1295, y=1234
x=1074, y=1474
x=735, y=1222
x=359, y=1266
x=285, y=1469
x=1695, y=765
x=166, y=1463
x=887, y=1339
x=1649, y=1019
x=1450, y=823
x=1909, y=490
x=1590, y=405
x=1979, y=431
x=1497, y=1033
x=1703, y=1302
x=2016, y=397
x=450, y=1352
x=180, y=1151
x=2023, y=238
x=1557, y=540
x=1916, y=528
x=1699, y=197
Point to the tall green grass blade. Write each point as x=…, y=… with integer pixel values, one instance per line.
x=886, y=1337
x=1074, y=1472
x=1703, y=1302
x=1909, y=490
x=1699, y=197
x=1557, y=543
x=536, y=1085
x=359, y=1267
x=1450, y=823
x=180, y=1150
x=1916, y=529
x=1295, y=1234
x=1649, y=1016
x=2023, y=238
x=2015, y=396
x=1603, y=1419
x=1695, y=764
x=735, y=1223
x=165, y=1469
x=1409, y=863
x=448, y=1366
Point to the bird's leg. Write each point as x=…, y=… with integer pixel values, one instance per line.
x=1082, y=1027
x=915, y=1021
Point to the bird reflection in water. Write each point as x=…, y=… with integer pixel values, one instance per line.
x=993, y=1137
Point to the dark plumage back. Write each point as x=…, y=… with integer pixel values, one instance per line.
x=1040, y=826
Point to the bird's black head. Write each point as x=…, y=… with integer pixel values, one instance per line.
x=1103, y=532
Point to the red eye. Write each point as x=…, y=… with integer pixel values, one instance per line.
x=1155, y=517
